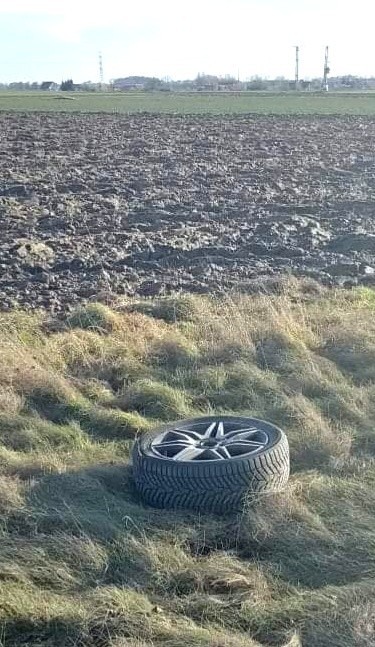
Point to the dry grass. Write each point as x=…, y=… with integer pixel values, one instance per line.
x=83, y=563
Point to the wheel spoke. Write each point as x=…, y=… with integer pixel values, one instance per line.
x=220, y=430
x=246, y=435
x=209, y=430
x=245, y=444
x=175, y=443
x=187, y=433
x=244, y=441
x=223, y=451
x=184, y=434
x=188, y=453
x=218, y=453
x=240, y=432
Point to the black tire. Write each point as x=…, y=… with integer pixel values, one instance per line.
x=210, y=485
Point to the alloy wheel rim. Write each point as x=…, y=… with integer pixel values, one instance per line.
x=221, y=439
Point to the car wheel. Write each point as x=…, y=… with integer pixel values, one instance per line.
x=212, y=463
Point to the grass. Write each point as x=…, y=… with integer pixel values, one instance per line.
x=333, y=103
x=83, y=563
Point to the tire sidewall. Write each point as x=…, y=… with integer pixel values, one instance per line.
x=142, y=455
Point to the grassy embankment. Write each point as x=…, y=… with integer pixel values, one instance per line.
x=83, y=563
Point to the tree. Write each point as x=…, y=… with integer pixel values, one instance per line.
x=67, y=86
x=256, y=83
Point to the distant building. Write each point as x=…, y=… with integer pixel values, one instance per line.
x=51, y=86
x=207, y=83
x=128, y=85
x=138, y=83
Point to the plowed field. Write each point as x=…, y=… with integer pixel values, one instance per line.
x=152, y=204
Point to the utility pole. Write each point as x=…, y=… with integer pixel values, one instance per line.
x=296, y=77
x=326, y=70
x=101, y=71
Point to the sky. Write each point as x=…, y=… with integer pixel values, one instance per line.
x=59, y=39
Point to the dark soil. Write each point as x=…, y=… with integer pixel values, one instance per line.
x=150, y=205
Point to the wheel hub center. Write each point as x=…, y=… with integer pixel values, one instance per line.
x=209, y=442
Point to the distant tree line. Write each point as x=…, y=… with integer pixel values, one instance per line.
x=202, y=83
x=213, y=83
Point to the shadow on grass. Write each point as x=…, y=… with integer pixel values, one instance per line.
x=295, y=535
x=54, y=633
x=85, y=536
x=98, y=501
